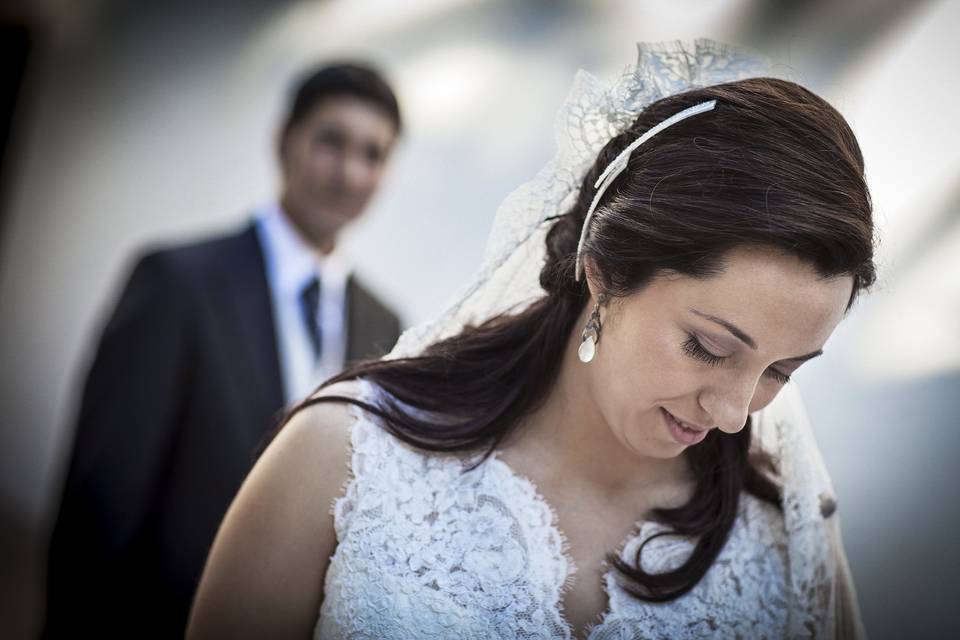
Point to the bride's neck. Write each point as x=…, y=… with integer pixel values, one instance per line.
x=571, y=443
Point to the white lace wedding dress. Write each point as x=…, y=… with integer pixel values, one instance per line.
x=426, y=551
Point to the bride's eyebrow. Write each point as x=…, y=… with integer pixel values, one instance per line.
x=747, y=340
x=809, y=356
x=732, y=328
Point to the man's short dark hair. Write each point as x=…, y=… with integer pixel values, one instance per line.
x=342, y=79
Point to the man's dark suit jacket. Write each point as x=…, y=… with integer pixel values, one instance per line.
x=184, y=386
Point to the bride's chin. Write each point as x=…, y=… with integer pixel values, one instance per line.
x=652, y=448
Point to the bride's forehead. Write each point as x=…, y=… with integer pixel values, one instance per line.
x=758, y=286
x=752, y=268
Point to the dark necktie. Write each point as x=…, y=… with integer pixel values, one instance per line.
x=310, y=309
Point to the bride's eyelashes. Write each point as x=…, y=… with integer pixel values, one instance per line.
x=779, y=376
x=695, y=349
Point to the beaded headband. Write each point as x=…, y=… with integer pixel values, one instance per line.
x=619, y=164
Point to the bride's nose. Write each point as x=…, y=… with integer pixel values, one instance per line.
x=728, y=400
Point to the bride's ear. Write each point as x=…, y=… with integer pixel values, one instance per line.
x=594, y=277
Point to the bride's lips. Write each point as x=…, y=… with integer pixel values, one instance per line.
x=683, y=435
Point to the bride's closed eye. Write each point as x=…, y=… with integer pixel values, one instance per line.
x=695, y=349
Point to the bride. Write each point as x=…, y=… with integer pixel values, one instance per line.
x=599, y=438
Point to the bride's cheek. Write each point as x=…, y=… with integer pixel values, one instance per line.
x=764, y=395
x=678, y=374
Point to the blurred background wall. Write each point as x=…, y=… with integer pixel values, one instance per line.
x=141, y=122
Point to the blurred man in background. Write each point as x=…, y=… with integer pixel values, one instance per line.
x=208, y=343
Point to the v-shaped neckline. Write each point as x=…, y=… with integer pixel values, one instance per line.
x=570, y=569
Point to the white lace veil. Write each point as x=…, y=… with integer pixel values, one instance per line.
x=823, y=601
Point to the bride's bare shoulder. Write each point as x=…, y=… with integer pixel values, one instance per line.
x=324, y=428
x=265, y=572
x=330, y=415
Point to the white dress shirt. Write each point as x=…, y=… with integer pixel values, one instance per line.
x=290, y=264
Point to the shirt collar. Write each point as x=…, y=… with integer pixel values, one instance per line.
x=294, y=262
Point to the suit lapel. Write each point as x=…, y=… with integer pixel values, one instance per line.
x=358, y=320
x=371, y=329
x=251, y=319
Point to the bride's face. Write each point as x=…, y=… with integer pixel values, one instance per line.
x=707, y=352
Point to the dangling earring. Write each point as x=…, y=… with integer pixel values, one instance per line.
x=591, y=333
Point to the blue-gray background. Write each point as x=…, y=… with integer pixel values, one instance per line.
x=139, y=123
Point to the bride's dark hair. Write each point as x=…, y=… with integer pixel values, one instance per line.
x=773, y=165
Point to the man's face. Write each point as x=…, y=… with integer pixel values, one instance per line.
x=332, y=161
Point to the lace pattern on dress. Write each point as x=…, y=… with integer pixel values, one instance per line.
x=426, y=550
